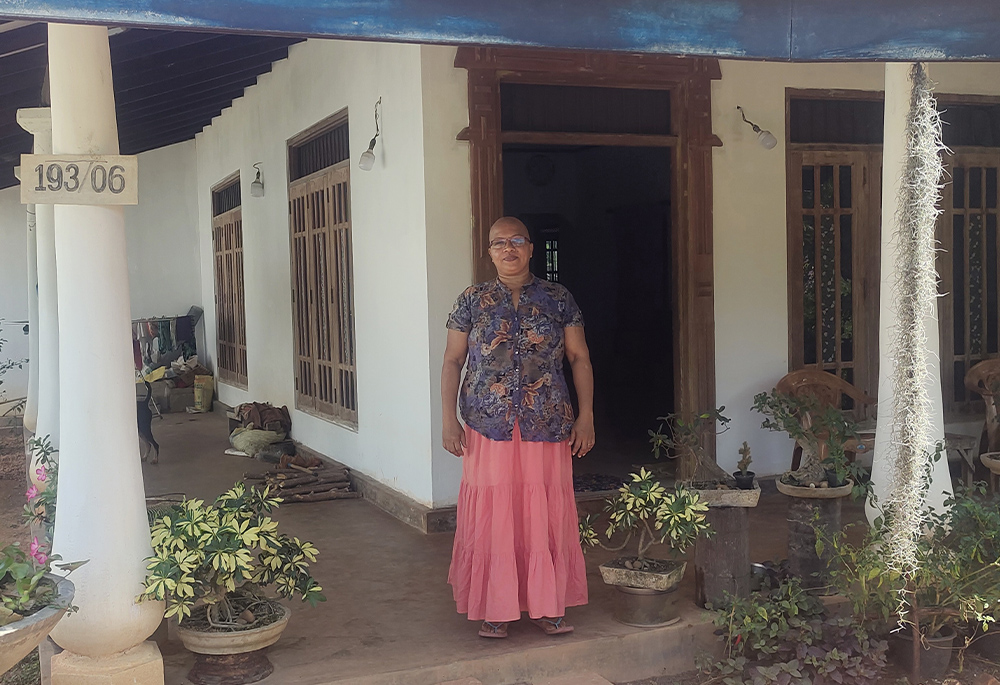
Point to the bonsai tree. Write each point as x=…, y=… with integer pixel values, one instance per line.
x=683, y=438
x=822, y=432
x=217, y=560
x=647, y=511
x=745, y=459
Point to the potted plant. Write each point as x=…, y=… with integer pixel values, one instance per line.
x=822, y=432
x=650, y=513
x=956, y=582
x=683, y=438
x=744, y=477
x=32, y=599
x=211, y=565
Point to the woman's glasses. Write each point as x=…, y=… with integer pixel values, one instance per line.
x=516, y=242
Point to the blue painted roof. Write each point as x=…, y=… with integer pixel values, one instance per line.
x=767, y=29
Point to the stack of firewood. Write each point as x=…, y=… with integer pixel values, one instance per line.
x=300, y=484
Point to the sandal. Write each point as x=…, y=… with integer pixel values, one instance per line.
x=495, y=630
x=553, y=626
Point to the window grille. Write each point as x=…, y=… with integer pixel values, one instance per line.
x=230, y=311
x=323, y=291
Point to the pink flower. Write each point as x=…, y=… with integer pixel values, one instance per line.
x=40, y=472
x=31, y=493
x=36, y=552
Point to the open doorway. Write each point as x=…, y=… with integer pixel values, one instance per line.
x=600, y=220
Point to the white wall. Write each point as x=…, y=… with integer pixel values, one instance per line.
x=449, y=230
x=395, y=441
x=13, y=291
x=162, y=234
x=162, y=240
x=751, y=319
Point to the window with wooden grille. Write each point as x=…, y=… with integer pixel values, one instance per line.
x=968, y=266
x=833, y=245
x=230, y=314
x=323, y=280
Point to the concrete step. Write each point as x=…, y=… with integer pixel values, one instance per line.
x=578, y=678
x=610, y=658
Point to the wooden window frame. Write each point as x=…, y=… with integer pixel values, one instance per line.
x=230, y=293
x=325, y=347
x=689, y=81
x=975, y=157
x=867, y=247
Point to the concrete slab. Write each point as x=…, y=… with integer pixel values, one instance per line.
x=390, y=618
x=579, y=678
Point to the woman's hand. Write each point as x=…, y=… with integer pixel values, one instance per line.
x=581, y=439
x=453, y=436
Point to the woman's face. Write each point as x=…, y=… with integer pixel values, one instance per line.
x=509, y=260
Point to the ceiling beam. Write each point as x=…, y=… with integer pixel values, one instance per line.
x=245, y=78
x=173, y=103
x=226, y=50
x=24, y=38
x=155, y=45
x=21, y=80
x=218, y=75
x=24, y=60
x=163, y=141
x=193, y=113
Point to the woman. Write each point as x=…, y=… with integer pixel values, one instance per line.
x=517, y=544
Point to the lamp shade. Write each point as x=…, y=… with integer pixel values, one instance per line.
x=367, y=160
x=767, y=140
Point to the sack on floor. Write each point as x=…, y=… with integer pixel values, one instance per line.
x=204, y=388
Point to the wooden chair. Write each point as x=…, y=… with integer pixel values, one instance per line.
x=828, y=390
x=983, y=379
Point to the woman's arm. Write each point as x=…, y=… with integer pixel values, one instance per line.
x=582, y=438
x=455, y=352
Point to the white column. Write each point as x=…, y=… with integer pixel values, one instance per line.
x=897, y=106
x=101, y=514
x=31, y=405
x=38, y=121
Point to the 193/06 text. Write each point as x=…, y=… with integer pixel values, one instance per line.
x=80, y=179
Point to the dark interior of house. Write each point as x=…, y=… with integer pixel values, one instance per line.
x=599, y=219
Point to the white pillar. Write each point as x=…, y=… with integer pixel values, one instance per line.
x=38, y=121
x=31, y=404
x=101, y=514
x=897, y=106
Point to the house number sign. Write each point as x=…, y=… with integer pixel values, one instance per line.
x=79, y=179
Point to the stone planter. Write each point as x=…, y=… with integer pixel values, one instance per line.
x=722, y=562
x=19, y=638
x=731, y=497
x=807, y=506
x=644, y=598
x=232, y=658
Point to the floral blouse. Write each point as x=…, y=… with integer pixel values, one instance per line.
x=515, y=362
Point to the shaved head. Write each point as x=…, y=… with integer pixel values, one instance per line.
x=509, y=226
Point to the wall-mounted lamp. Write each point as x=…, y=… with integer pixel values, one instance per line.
x=764, y=137
x=257, y=187
x=367, y=160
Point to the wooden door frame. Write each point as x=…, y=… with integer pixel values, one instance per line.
x=689, y=81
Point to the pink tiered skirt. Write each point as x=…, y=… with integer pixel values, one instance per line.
x=517, y=545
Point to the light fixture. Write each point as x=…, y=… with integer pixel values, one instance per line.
x=764, y=137
x=257, y=187
x=367, y=160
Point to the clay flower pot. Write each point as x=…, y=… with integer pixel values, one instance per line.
x=935, y=657
x=233, y=657
x=744, y=482
x=19, y=638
